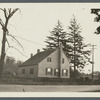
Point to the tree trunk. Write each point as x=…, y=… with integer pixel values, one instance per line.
x=74, y=55
x=2, y=52
x=8, y=15
x=74, y=62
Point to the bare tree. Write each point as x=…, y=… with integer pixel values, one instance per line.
x=8, y=13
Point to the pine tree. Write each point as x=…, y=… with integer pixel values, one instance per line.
x=56, y=36
x=79, y=55
x=73, y=44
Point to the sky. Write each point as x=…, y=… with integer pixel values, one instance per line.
x=34, y=21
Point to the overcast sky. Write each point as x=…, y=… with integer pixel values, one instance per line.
x=34, y=22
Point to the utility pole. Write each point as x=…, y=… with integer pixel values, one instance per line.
x=93, y=61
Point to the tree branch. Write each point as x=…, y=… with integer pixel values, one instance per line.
x=16, y=40
x=8, y=42
x=11, y=13
x=8, y=45
x=13, y=47
x=1, y=23
x=17, y=50
x=5, y=12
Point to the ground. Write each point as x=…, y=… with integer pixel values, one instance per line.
x=49, y=88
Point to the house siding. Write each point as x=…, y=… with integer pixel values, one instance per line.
x=54, y=64
x=27, y=71
x=65, y=65
x=44, y=64
x=51, y=66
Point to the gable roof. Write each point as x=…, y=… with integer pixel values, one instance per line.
x=37, y=58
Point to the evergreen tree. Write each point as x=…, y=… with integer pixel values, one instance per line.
x=79, y=55
x=57, y=35
x=72, y=41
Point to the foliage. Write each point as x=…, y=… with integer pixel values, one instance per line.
x=10, y=66
x=57, y=35
x=73, y=44
x=97, y=74
x=72, y=73
x=96, y=19
x=79, y=55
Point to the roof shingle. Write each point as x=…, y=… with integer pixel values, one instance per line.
x=37, y=58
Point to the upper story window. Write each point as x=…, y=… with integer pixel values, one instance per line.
x=31, y=71
x=63, y=60
x=49, y=59
x=56, y=72
x=64, y=72
x=48, y=71
x=23, y=71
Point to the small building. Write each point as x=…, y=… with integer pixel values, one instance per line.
x=51, y=63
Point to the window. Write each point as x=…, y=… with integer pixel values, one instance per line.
x=62, y=60
x=48, y=59
x=31, y=71
x=56, y=72
x=48, y=71
x=64, y=72
x=23, y=71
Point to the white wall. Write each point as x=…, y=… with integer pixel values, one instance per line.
x=53, y=64
x=27, y=71
x=44, y=64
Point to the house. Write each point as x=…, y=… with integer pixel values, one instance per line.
x=51, y=63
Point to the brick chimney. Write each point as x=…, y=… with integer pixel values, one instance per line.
x=38, y=50
x=31, y=55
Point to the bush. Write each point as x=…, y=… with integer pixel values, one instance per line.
x=87, y=79
x=81, y=79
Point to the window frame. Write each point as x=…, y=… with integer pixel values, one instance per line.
x=65, y=74
x=63, y=60
x=49, y=59
x=49, y=73
x=31, y=71
x=23, y=71
x=56, y=73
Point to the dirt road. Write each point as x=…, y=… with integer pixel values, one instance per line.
x=49, y=88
